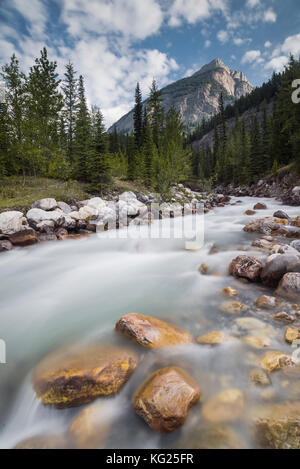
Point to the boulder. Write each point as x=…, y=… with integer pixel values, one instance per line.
x=90, y=428
x=72, y=377
x=46, y=226
x=25, y=237
x=214, y=338
x=264, y=225
x=258, y=342
x=289, y=286
x=11, y=222
x=296, y=244
x=260, y=206
x=36, y=216
x=267, y=302
x=226, y=406
x=45, y=204
x=64, y=207
x=43, y=237
x=281, y=214
x=246, y=267
x=5, y=245
x=87, y=213
x=250, y=213
x=276, y=266
x=128, y=196
x=151, y=332
x=275, y=360
x=277, y=426
x=165, y=398
x=259, y=377
x=291, y=335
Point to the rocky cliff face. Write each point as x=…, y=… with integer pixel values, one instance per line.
x=197, y=96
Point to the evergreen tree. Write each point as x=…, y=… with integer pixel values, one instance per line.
x=148, y=154
x=82, y=140
x=156, y=113
x=98, y=164
x=70, y=89
x=138, y=118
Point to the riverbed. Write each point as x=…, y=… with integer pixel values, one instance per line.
x=73, y=292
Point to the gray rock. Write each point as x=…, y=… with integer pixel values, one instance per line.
x=36, y=216
x=45, y=204
x=277, y=266
x=11, y=222
x=281, y=214
x=5, y=245
x=296, y=244
x=289, y=286
x=43, y=237
x=64, y=207
x=46, y=226
x=26, y=237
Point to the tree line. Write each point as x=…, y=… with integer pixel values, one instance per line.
x=249, y=151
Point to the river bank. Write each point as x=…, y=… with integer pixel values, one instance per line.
x=73, y=294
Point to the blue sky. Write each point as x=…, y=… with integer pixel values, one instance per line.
x=115, y=43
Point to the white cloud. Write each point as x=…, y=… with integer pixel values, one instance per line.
x=207, y=43
x=135, y=18
x=251, y=56
x=193, y=11
x=252, y=3
x=292, y=45
x=277, y=64
x=223, y=36
x=240, y=42
x=270, y=16
x=268, y=44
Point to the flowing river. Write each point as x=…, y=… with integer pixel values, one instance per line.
x=70, y=292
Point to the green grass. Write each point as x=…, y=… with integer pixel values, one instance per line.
x=15, y=195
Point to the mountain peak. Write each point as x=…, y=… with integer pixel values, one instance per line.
x=214, y=64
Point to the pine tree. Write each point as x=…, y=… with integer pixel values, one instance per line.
x=82, y=141
x=4, y=140
x=70, y=89
x=138, y=118
x=148, y=154
x=98, y=162
x=156, y=113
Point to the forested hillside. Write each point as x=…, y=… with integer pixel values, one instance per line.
x=242, y=153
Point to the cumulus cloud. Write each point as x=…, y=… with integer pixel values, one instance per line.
x=268, y=44
x=270, y=16
x=240, y=42
x=252, y=56
x=223, y=36
x=252, y=3
x=193, y=11
x=207, y=43
x=280, y=55
x=277, y=64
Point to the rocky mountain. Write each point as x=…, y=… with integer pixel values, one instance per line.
x=197, y=96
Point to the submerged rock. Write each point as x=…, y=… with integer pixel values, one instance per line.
x=246, y=267
x=233, y=307
x=260, y=206
x=5, y=245
x=151, y=332
x=209, y=436
x=259, y=377
x=284, y=317
x=214, y=338
x=44, y=442
x=250, y=213
x=278, y=426
x=228, y=291
x=267, y=302
x=90, y=428
x=257, y=342
x=70, y=378
x=227, y=406
x=165, y=398
x=289, y=286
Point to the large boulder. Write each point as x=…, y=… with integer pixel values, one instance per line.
x=88, y=213
x=64, y=207
x=97, y=203
x=165, y=399
x=278, y=426
x=11, y=222
x=246, y=267
x=45, y=204
x=296, y=244
x=281, y=214
x=277, y=265
x=226, y=406
x=289, y=286
x=36, y=216
x=25, y=237
x=264, y=225
x=151, y=332
x=70, y=378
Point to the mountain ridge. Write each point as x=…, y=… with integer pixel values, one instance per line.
x=197, y=96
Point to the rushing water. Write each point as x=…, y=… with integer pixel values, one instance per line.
x=68, y=292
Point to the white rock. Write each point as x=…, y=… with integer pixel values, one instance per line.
x=69, y=223
x=86, y=213
x=75, y=215
x=36, y=215
x=11, y=222
x=45, y=226
x=64, y=207
x=97, y=203
x=128, y=196
x=45, y=204
x=296, y=190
